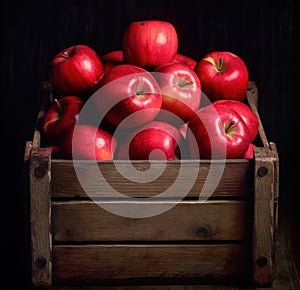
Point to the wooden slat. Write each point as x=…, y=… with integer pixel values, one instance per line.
x=235, y=180
x=252, y=95
x=40, y=216
x=252, y=98
x=27, y=151
x=188, y=220
x=276, y=210
x=141, y=263
x=263, y=219
x=276, y=185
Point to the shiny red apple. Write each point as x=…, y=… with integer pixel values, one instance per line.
x=75, y=70
x=223, y=75
x=155, y=140
x=249, y=117
x=60, y=117
x=128, y=91
x=112, y=58
x=181, y=58
x=149, y=43
x=114, y=55
x=220, y=133
x=181, y=92
x=87, y=142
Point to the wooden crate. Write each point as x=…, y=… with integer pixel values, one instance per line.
x=230, y=238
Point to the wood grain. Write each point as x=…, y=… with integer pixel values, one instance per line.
x=80, y=221
x=234, y=181
x=40, y=216
x=141, y=263
x=263, y=217
x=252, y=98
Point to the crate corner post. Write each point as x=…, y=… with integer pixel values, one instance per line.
x=40, y=216
x=264, y=214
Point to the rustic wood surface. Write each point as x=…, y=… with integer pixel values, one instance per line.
x=40, y=216
x=287, y=277
x=263, y=216
x=143, y=262
x=252, y=98
x=234, y=181
x=187, y=221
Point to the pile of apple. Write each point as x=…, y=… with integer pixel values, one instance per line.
x=150, y=101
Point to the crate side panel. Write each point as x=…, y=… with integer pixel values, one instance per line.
x=229, y=179
x=189, y=220
x=104, y=263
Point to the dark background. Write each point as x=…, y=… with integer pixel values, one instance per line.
x=262, y=33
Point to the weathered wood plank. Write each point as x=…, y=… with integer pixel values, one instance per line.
x=141, y=263
x=40, y=216
x=234, y=178
x=276, y=208
x=263, y=218
x=252, y=98
x=276, y=186
x=189, y=220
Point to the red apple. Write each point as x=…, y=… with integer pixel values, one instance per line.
x=220, y=132
x=128, y=91
x=75, y=70
x=223, y=75
x=60, y=117
x=249, y=152
x=178, y=57
x=181, y=92
x=149, y=43
x=245, y=112
x=155, y=140
x=112, y=58
x=87, y=142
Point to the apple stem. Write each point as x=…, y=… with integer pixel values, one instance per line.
x=183, y=82
x=59, y=106
x=140, y=91
x=221, y=64
x=230, y=125
x=65, y=54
